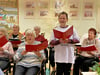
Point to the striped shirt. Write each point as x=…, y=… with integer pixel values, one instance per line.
x=30, y=58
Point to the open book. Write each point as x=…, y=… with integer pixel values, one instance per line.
x=63, y=35
x=30, y=48
x=3, y=41
x=88, y=48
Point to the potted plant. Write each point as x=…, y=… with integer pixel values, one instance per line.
x=96, y=68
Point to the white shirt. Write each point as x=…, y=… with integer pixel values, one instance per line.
x=65, y=54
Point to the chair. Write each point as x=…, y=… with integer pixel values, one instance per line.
x=7, y=70
x=43, y=68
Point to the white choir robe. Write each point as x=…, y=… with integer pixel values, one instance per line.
x=64, y=54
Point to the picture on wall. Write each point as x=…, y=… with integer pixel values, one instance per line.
x=73, y=13
x=43, y=8
x=74, y=6
x=29, y=9
x=29, y=13
x=30, y=4
x=43, y=13
x=36, y=8
x=88, y=9
x=88, y=5
x=44, y=4
x=88, y=14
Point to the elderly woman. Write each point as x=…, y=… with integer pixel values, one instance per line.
x=28, y=63
x=38, y=37
x=15, y=35
x=86, y=58
x=6, y=51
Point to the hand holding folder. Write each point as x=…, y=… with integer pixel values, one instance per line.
x=63, y=35
x=88, y=48
x=30, y=48
x=3, y=41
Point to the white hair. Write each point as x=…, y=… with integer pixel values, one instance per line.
x=16, y=26
x=37, y=27
x=28, y=31
x=2, y=29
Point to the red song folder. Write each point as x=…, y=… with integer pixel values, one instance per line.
x=15, y=42
x=30, y=48
x=63, y=35
x=40, y=38
x=88, y=48
x=3, y=41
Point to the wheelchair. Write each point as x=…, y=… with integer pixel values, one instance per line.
x=6, y=68
x=43, y=68
x=6, y=65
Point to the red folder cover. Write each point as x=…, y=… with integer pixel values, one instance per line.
x=30, y=48
x=63, y=35
x=15, y=42
x=89, y=48
x=40, y=38
x=3, y=41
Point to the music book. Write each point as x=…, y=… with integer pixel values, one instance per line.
x=30, y=48
x=40, y=38
x=3, y=41
x=63, y=35
x=15, y=41
x=88, y=48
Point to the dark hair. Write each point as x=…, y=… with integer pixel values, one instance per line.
x=63, y=13
x=93, y=30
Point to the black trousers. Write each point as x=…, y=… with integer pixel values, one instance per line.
x=63, y=68
x=83, y=63
x=51, y=58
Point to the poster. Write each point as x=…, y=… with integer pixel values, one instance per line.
x=8, y=13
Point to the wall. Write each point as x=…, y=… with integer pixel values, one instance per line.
x=48, y=23
x=98, y=16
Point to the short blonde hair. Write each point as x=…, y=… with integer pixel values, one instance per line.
x=16, y=26
x=2, y=29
